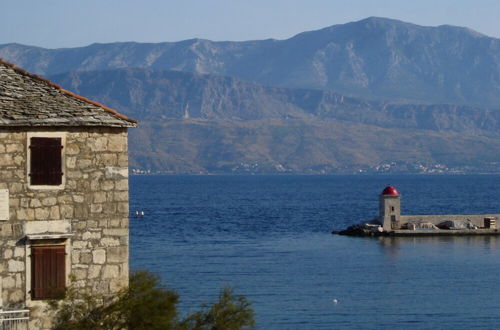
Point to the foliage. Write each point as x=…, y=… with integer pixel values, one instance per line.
x=146, y=304
x=229, y=312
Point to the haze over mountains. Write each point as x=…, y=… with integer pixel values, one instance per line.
x=367, y=95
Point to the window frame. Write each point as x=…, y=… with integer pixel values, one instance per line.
x=47, y=240
x=62, y=136
x=58, y=275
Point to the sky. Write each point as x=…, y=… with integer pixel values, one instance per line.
x=73, y=23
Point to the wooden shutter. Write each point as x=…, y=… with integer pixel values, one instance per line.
x=46, y=161
x=48, y=272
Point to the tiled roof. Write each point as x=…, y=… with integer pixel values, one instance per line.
x=29, y=100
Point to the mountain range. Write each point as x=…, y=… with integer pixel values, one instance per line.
x=364, y=96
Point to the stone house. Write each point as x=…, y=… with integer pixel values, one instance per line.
x=63, y=195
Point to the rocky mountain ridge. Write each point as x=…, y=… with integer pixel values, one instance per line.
x=373, y=58
x=149, y=95
x=377, y=95
x=194, y=123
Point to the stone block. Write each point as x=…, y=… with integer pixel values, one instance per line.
x=14, y=147
x=115, y=172
x=72, y=149
x=83, y=164
x=15, y=266
x=99, y=197
x=6, y=230
x=115, y=223
x=117, y=254
x=75, y=256
x=110, y=271
x=123, y=208
x=115, y=232
x=17, y=296
x=25, y=214
x=117, y=284
x=19, y=251
x=54, y=212
x=95, y=208
x=86, y=258
x=15, y=188
x=117, y=144
x=35, y=203
x=98, y=144
x=42, y=213
x=122, y=160
x=8, y=282
x=94, y=271
x=74, y=174
x=49, y=201
x=109, y=208
x=107, y=242
x=50, y=226
x=6, y=160
x=81, y=211
x=65, y=199
x=66, y=211
x=120, y=196
x=94, y=185
x=80, y=244
x=78, y=198
x=14, y=202
x=99, y=256
x=107, y=185
x=19, y=280
x=80, y=274
x=71, y=162
x=7, y=253
x=91, y=235
x=121, y=184
x=18, y=160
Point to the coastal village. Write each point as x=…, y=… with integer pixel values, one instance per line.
x=63, y=197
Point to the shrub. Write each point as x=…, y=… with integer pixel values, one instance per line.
x=146, y=304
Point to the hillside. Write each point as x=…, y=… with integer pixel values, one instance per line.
x=193, y=123
x=374, y=58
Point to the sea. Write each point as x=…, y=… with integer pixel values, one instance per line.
x=269, y=238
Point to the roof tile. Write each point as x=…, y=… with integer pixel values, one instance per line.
x=29, y=100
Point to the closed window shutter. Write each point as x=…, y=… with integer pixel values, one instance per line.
x=46, y=161
x=48, y=278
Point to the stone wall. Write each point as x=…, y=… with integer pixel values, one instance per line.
x=476, y=219
x=90, y=212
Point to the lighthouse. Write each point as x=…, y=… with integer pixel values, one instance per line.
x=390, y=209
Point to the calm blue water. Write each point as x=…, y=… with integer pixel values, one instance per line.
x=269, y=237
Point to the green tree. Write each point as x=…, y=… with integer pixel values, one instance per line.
x=229, y=312
x=146, y=304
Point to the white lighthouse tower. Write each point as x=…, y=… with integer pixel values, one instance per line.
x=390, y=209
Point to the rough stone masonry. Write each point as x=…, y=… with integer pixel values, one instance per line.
x=85, y=215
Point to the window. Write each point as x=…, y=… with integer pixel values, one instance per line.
x=46, y=161
x=48, y=272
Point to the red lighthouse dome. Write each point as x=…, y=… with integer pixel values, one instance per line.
x=390, y=190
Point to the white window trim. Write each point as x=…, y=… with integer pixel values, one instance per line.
x=67, y=248
x=61, y=135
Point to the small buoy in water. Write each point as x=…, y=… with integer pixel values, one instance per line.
x=142, y=213
x=335, y=301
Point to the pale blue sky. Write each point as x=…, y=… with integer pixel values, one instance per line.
x=70, y=23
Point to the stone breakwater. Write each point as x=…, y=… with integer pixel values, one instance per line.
x=391, y=222
x=362, y=230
